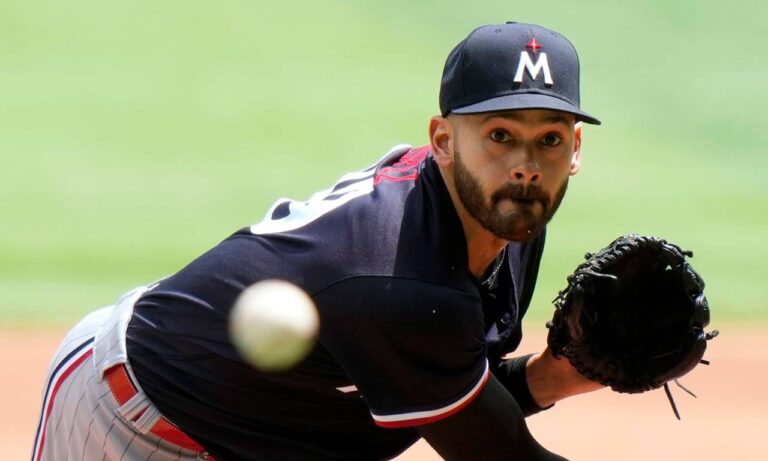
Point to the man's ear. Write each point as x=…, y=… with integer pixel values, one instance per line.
x=441, y=139
x=576, y=156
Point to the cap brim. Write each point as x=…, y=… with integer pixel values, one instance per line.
x=520, y=101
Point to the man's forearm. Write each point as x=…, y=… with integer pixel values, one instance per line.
x=512, y=374
x=537, y=381
x=552, y=379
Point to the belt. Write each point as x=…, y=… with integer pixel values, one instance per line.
x=123, y=389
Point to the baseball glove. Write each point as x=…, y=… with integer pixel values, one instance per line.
x=632, y=316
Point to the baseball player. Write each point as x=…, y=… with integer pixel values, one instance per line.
x=421, y=266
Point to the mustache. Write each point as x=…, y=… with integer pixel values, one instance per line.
x=518, y=192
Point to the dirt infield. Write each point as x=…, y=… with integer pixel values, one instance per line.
x=727, y=422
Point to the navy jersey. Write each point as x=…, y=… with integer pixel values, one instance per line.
x=407, y=334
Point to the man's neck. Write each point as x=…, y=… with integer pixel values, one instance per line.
x=482, y=246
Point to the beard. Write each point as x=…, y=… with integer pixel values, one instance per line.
x=522, y=222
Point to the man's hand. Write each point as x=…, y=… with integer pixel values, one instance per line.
x=632, y=317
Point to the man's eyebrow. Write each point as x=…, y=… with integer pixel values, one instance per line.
x=549, y=118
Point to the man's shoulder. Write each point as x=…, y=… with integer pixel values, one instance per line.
x=358, y=189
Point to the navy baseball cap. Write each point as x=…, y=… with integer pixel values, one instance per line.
x=512, y=66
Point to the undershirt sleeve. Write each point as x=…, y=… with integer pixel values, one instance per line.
x=415, y=350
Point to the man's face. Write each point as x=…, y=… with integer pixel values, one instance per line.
x=511, y=169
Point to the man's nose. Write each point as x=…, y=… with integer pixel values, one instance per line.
x=525, y=169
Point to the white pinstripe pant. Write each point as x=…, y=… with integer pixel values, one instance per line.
x=81, y=418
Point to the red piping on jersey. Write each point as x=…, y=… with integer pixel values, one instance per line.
x=437, y=417
x=405, y=169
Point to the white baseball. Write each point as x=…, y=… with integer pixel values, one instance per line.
x=273, y=325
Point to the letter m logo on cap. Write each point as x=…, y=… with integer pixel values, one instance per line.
x=533, y=69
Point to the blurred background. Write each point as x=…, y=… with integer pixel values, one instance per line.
x=136, y=135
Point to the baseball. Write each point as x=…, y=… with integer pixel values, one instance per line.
x=273, y=325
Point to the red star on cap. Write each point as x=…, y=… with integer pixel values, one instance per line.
x=533, y=45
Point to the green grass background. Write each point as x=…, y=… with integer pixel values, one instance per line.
x=136, y=135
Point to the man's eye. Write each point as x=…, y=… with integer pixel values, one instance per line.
x=500, y=136
x=551, y=140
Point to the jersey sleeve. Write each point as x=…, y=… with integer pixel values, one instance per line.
x=415, y=350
